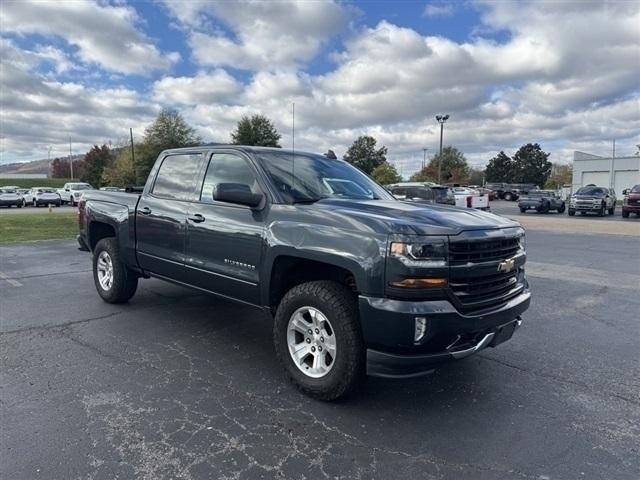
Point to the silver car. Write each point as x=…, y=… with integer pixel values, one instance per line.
x=38, y=196
x=10, y=197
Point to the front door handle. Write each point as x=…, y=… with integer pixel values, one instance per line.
x=145, y=211
x=197, y=218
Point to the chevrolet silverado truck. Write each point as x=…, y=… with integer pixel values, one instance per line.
x=356, y=282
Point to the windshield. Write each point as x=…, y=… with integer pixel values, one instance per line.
x=46, y=190
x=590, y=191
x=317, y=177
x=636, y=189
x=80, y=186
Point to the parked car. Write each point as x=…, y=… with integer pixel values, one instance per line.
x=510, y=191
x=470, y=198
x=111, y=189
x=9, y=197
x=593, y=199
x=425, y=192
x=631, y=201
x=357, y=282
x=72, y=191
x=38, y=196
x=542, y=201
x=22, y=192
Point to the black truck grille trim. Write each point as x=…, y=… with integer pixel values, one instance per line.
x=462, y=253
x=475, y=293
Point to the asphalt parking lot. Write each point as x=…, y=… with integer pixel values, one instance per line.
x=177, y=384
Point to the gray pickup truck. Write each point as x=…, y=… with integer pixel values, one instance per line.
x=356, y=281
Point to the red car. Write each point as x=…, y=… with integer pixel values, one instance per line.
x=631, y=201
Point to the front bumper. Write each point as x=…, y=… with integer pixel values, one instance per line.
x=635, y=208
x=586, y=207
x=388, y=328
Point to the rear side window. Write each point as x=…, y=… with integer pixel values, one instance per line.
x=227, y=168
x=176, y=177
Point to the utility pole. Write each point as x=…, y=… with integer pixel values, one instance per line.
x=613, y=159
x=424, y=157
x=441, y=119
x=70, y=158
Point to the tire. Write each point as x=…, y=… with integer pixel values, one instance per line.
x=612, y=210
x=24, y=202
x=562, y=208
x=35, y=204
x=19, y=205
x=544, y=208
x=508, y=196
x=625, y=214
x=572, y=212
x=339, y=306
x=523, y=210
x=123, y=283
x=72, y=202
x=603, y=210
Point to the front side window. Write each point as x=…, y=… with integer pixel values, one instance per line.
x=635, y=189
x=308, y=178
x=176, y=176
x=227, y=168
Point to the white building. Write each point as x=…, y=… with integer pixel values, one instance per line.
x=617, y=173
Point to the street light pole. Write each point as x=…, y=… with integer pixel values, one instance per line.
x=70, y=159
x=441, y=119
x=424, y=158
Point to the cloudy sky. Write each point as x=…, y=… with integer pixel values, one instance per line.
x=566, y=75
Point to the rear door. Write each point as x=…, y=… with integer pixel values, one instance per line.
x=225, y=241
x=161, y=216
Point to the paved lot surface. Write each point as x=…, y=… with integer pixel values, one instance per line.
x=29, y=210
x=180, y=385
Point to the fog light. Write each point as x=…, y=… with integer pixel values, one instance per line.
x=421, y=327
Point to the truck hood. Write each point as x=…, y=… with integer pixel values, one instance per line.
x=588, y=197
x=411, y=218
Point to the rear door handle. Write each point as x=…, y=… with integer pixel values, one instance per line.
x=145, y=211
x=197, y=218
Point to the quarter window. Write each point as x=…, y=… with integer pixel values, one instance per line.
x=227, y=168
x=176, y=177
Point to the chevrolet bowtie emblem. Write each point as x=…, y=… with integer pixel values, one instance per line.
x=507, y=265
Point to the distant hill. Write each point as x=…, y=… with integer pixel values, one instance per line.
x=34, y=166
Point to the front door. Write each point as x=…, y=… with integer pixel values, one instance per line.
x=225, y=241
x=162, y=215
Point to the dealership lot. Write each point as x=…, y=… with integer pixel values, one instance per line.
x=180, y=385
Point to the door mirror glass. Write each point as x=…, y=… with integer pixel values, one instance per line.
x=237, y=193
x=625, y=191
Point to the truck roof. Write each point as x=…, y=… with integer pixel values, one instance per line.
x=243, y=148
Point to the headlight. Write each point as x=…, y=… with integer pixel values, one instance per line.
x=77, y=194
x=522, y=242
x=625, y=201
x=431, y=252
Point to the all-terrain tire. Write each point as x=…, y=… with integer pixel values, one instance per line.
x=124, y=281
x=339, y=305
x=562, y=208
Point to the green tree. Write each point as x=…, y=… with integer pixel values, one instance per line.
x=386, y=174
x=454, y=168
x=364, y=154
x=476, y=176
x=531, y=165
x=121, y=172
x=95, y=161
x=169, y=130
x=560, y=175
x=60, y=168
x=422, y=176
x=500, y=169
x=256, y=130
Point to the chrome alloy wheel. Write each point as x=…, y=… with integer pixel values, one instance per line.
x=311, y=341
x=105, y=270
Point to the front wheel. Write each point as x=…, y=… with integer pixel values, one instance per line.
x=603, y=211
x=572, y=212
x=72, y=202
x=114, y=281
x=625, y=214
x=562, y=208
x=508, y=197
x=523, y=210
x=318, y=340
x=612, y=210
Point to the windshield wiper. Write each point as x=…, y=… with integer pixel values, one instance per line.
x=308, y=200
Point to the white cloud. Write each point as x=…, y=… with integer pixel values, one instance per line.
x=217, y=86
x=438, y=9
x=266, y=35
x=104, y=35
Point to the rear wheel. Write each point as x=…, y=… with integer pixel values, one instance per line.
x=508, y=196
x=318, y=340
x=114, y=281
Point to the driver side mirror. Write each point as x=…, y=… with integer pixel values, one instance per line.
x=67, y=190
x=237, y=193
x=625, y=191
